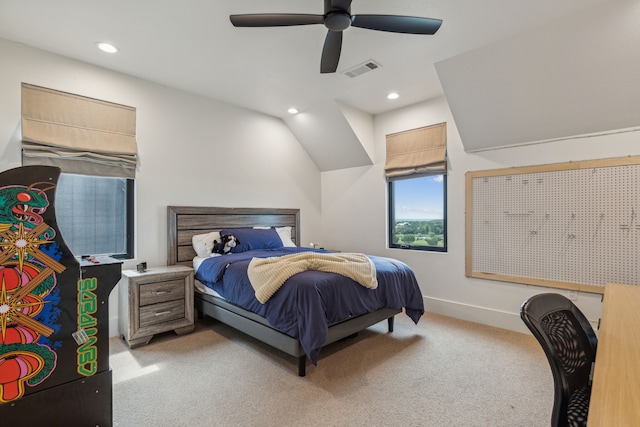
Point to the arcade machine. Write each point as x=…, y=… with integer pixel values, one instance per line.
x=54, y=329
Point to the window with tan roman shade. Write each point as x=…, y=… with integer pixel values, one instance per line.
x=417, y=151
x=80, y=135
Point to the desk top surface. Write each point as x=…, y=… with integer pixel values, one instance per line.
x=615, y=394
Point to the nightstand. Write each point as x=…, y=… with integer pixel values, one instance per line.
x=158, y=300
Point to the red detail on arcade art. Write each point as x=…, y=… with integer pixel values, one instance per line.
x=14, y=307
x=16, y=368
x=23, y=360
x=23, y=197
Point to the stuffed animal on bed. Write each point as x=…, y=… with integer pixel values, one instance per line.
x=226, y=245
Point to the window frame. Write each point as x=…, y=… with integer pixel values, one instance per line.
x=129, y=218
x=130, y=222
x=392, y=219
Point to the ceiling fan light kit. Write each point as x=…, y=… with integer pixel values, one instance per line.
x=337, y=18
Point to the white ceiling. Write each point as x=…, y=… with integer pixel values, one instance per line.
x=574, y=77
x=191, y=45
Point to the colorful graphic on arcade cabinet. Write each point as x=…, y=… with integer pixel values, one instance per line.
x=29, y=262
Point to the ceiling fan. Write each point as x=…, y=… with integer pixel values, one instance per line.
x=337, y=18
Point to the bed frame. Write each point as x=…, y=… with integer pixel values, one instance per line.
x=185, y=221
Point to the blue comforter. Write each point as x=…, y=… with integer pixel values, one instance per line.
x=310, y=301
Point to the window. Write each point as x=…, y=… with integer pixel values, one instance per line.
x=95, y=214
x=416, y=171
x=418, y=212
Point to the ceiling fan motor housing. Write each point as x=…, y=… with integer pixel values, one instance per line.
x=337, y=21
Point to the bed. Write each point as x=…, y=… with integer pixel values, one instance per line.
x=185, y=222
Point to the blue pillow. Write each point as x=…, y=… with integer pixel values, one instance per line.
x=253, y=238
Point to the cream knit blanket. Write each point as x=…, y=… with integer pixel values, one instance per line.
x=268, y=274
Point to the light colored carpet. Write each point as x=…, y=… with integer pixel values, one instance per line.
x=441, y=372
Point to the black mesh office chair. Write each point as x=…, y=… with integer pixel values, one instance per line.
x=570, y=345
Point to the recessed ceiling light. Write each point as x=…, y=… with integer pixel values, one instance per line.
x=293, y=110
x=393, y=95
x=106, y=47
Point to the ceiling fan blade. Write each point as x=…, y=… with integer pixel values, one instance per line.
x=275, y=19
x=331, y=52
x=397, y=23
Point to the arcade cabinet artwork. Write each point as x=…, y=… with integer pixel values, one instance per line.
x=54, y=334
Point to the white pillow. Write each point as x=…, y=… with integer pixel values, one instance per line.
x=284, y=233
x=203, y=243
x=285, y=236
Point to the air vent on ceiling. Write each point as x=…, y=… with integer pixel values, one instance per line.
x=359, y=70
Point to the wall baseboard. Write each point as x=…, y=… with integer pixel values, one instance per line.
x=473, y=313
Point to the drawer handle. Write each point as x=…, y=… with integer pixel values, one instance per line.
x=162, y=313
x=161, y=292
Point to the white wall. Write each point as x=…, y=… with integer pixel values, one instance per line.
x=354, y=212
x=193, y=151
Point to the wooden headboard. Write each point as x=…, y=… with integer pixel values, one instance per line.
x=185, y=221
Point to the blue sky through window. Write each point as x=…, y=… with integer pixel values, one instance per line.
x=419, y=198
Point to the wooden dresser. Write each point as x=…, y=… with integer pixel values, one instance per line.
x=158, y=300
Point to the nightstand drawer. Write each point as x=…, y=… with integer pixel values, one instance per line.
x=153, y=293
x=163, y=312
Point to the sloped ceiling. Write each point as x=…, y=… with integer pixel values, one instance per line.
x=574, y=76
x=329, y=138
x=500, y=91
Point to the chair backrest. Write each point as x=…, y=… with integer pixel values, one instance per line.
x=569, y=342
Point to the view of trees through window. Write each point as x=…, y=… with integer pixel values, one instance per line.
x=420, y=233
x=417, y=213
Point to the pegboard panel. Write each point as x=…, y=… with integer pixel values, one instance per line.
x=568, y=225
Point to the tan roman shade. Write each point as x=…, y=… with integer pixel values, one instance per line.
x=78, y=134
x=417, y=151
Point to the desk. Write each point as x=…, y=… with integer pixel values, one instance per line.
x=615, y=394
